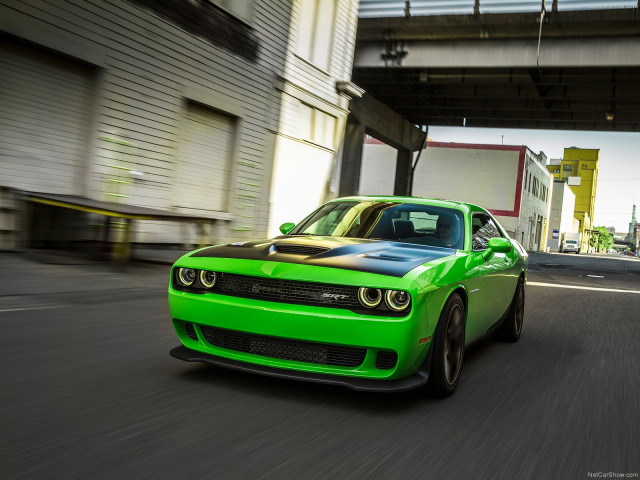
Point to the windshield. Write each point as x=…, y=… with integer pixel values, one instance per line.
x=402, y=222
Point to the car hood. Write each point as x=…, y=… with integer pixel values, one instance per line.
x=374, y=256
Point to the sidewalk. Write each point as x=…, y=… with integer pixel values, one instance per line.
x=37, y=273
x=160, y=256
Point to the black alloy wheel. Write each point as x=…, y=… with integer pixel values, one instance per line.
x=511, y=328
x=448, y=348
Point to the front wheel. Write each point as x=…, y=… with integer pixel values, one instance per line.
x=511, y=328
x=448, y=348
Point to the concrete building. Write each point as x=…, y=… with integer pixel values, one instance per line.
x=510, y=181
x=177, y=106
x=579, y=169
x=313, y=108
x=561, y=219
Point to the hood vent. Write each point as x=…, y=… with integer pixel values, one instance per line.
x=300, y=249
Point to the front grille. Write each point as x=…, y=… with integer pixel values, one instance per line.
x=285, y=349
x=386, y=360
x=300, y=249
x=287, y=291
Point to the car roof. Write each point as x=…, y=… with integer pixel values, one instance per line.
x=437, y=202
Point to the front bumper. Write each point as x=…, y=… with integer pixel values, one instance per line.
x=361, y=384
x=408, y=337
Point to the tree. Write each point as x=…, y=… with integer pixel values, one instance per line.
x=601, y=239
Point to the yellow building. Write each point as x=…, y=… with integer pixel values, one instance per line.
x=579, y=169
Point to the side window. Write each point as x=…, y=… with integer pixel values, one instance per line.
x=483, y=229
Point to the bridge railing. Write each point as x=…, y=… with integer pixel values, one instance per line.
x=401, y=8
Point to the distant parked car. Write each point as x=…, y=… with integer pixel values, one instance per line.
x=372, y=293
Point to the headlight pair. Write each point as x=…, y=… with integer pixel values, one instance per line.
x=186, y=277
x=395, y=300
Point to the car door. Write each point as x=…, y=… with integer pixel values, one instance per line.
x=490, y=284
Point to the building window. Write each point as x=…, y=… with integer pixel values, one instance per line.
x=316, y=126
x=567, y=167
x=315, y=31
x=243, y=9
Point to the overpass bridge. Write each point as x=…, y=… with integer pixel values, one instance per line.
x=550, y=68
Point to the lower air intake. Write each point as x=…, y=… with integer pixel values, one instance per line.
x=191, y=331
x=285, y=349
x=386, y=360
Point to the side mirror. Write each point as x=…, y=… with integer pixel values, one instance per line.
x=497, y=245
x=500, y=245
x=287, y=227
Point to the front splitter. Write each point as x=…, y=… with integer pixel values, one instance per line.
x=361, y=384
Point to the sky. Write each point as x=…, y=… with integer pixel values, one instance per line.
x=618, y=170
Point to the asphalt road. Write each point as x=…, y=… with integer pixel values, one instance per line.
x=88, y=390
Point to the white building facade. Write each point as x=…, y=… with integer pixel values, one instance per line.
x=192, y=99
x=510, y=181
x=561, y=219
x=312, y=113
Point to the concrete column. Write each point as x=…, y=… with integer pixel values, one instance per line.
x=121, y=253
x=403, y=173
x=351, y=158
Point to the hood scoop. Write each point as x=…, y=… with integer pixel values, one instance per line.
x=307, y=250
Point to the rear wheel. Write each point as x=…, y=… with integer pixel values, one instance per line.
x=511, y=328
x=448, y=348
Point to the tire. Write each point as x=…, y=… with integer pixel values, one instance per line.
x=448, y=346
x=511, y=328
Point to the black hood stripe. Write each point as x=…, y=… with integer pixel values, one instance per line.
x=372, y=256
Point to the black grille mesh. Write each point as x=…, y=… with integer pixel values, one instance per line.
x=386, y=360
x=287, y=291
x=300, y=249
x=191, y=331
x=285, y=349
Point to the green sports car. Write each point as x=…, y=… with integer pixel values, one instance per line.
x=373, y=293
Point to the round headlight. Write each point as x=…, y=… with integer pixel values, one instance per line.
x=369, y=297
x=207, y=278
x=397, y=300
x=186, y=276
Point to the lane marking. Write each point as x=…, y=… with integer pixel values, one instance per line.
x=596, y=276
x=21, y=309
x=578, y=287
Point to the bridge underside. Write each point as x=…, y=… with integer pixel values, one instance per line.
x=487, y=70
x=581, y=98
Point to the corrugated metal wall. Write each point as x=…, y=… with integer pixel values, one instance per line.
x=177, y=101
x=131, y=104
x=45, y=104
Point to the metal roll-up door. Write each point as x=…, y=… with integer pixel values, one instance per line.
x=203, y=170
x=45, y=105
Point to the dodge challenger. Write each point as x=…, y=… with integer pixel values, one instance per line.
x=372, y=293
